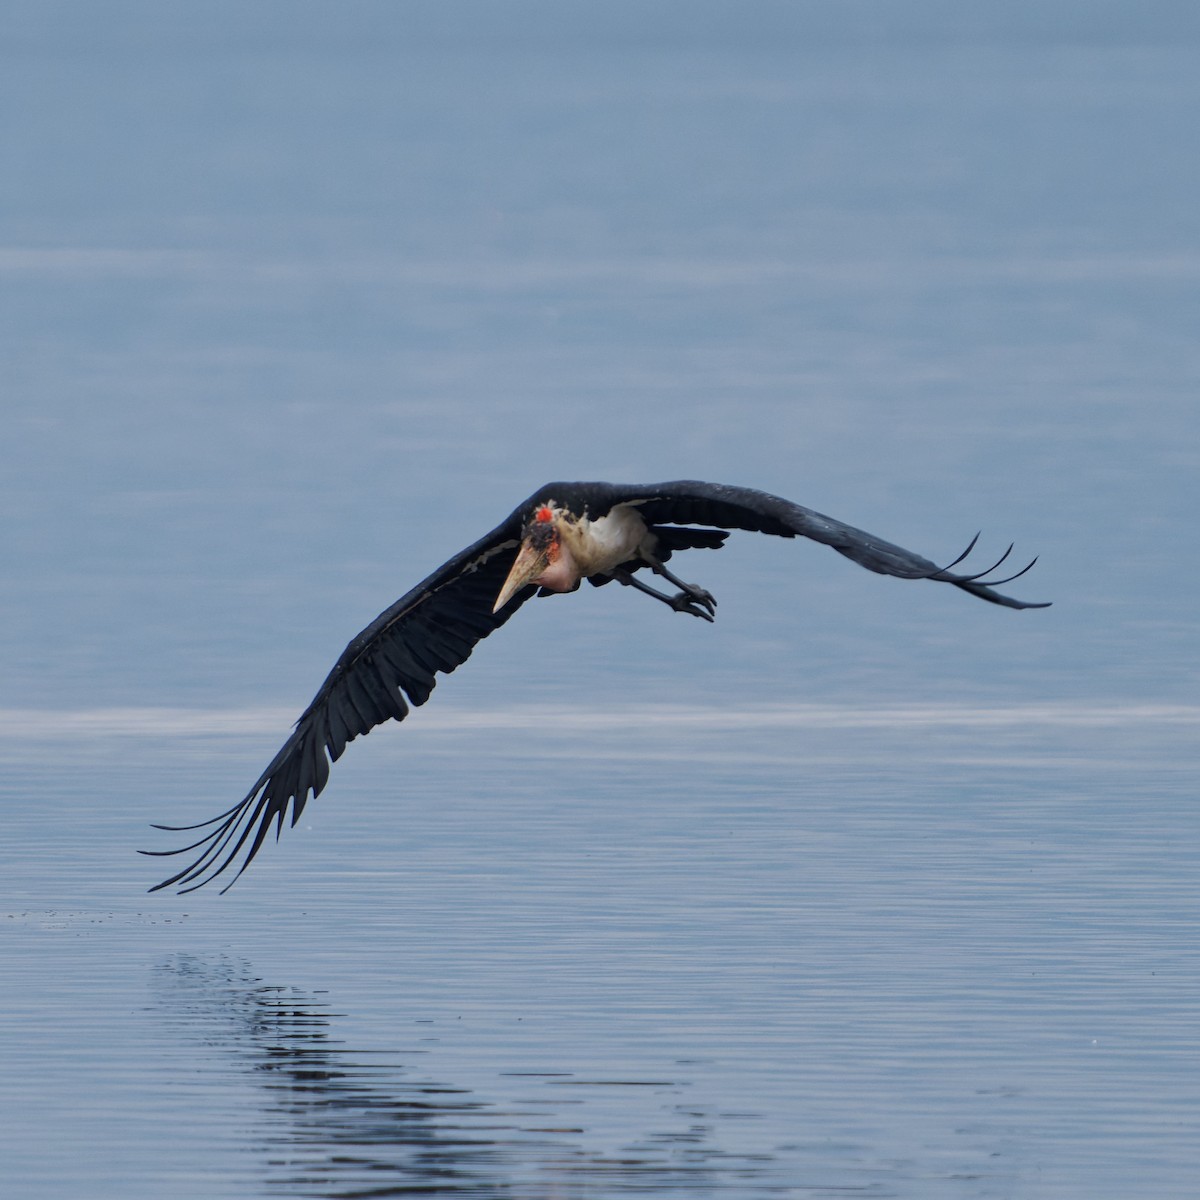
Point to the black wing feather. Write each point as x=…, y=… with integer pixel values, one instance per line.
x=389, y=666
x=691, y=502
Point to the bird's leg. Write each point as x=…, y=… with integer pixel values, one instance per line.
x=691, y=592
x=681, y=603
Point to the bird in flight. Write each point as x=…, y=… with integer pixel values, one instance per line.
x=564, y=533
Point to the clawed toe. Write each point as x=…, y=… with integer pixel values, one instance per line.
x=699, y=596
x=682, y=602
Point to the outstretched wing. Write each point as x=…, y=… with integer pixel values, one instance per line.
x=690, y=502
x=387, y=667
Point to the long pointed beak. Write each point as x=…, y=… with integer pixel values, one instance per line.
x=529, y=564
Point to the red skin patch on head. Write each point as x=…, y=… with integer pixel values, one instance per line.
x=543, y=514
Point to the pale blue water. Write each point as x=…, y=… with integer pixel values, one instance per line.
x=866, y=889
x=899, y=953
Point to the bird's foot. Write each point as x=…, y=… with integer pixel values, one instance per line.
x=695, y=600
x=692, y=599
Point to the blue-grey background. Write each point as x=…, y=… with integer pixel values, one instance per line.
x=867, y=887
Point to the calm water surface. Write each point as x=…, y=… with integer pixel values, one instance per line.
x=890, y=952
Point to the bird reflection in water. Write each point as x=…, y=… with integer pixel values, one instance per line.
x=340, y=1122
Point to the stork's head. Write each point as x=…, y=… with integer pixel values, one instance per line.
x=543, y=559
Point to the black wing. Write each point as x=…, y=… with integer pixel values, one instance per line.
x=690, y=502
x=432, y=628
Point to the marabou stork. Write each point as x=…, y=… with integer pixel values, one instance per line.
x=564, y=533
